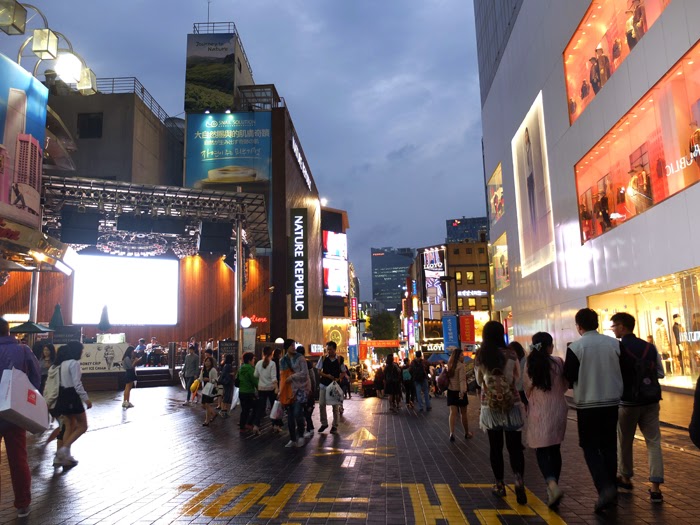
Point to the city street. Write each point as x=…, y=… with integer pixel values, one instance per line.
x=156, y=463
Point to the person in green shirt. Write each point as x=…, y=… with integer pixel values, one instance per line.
x=247, y=383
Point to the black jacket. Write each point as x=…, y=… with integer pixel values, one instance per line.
x=694, y=426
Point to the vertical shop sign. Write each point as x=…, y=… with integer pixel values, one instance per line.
x=353, y=309
x=467, y=331
x=299, y=258
x=353, y=355
x=22, y=134
x=449, y=331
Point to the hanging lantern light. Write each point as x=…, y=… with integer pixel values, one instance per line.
x=45, y=44
x=69, y=68
x=88, y=82
x=13, y=17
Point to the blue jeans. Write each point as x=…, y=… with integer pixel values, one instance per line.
x=295, y=420
x=422, y=386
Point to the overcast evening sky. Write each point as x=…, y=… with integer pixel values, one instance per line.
x=384, y=95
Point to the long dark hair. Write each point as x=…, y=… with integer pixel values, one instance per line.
x=71, y=350
x=452, y=363
x=128, y=352
x=517, y=348
x=493, y=341
x=539, y=364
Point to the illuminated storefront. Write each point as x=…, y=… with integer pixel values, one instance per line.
x=667, y=310
x=499, y=257
x=648, y=155
x=609, y=30
x=494, y=190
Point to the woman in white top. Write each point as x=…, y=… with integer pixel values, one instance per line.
x=71, y=397
x=266, y=372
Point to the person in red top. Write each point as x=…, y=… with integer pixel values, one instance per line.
x=20, y=356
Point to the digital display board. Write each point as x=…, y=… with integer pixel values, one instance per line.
x=335, y=277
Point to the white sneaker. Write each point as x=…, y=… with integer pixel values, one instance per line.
x=309, y=434
x=124, y=404
x=129, y=405
x=290, y=444
x=186, y=404
x=301, y=442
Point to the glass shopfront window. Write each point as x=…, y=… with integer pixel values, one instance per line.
x=667, y=311
x=607, y=33
x=499, y=256
x=652, y=153
x=495, y=194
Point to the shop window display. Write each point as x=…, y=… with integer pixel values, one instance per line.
x=495, y=195
x=667, y=311
x=607, y=33
x=499, y=254
x=652, y=153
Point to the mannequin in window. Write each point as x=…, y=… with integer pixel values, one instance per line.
x=677, y=329
x=594, y=75
x=694, y=142
x=639, y=19
x=586, y=226
x=530, y=182
x=603, y=65
x=630, y=33
x=605, y=212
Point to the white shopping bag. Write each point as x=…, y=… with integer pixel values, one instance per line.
x=334, y=394
x=21, y=403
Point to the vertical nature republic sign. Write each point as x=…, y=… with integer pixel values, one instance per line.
x=299, y=262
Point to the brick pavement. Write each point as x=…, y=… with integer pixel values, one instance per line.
x=155, y=463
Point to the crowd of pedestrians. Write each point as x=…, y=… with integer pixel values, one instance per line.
x=521, y=394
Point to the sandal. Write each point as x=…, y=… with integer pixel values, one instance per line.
x=499, y=489
x=468, y=435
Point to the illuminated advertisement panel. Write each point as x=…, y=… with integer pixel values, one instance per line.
x=495, y=196
x=335, y=277
x=433, y=269
x=224, y=151
x=209, y=78
x=499, y=257
x=335, y=245
x=649, y=155
x=608, y=32
x=532, y=194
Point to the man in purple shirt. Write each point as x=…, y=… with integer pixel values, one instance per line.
x=19, y=356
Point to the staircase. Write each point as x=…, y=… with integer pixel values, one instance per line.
x=150, y=376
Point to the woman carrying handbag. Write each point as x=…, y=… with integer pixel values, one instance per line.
x=208, y=377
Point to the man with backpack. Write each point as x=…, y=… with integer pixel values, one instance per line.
x=641, y=367
x=592, y=366
x=408, y=385
x=420, y=380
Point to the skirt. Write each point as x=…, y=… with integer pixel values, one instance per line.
x=68, y=403
x=495, y=420
x=454, y=400
x=130, y=375
x=392, y=388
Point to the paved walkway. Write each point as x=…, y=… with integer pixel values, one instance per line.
x=156, y=463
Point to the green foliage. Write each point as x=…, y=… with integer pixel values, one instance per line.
x=198, y=98
x=384, y=326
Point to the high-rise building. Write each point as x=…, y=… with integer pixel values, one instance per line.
x=474, y=229
x=389, y=270
x=591, y=143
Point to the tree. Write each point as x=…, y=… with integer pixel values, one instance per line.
x=384, y=326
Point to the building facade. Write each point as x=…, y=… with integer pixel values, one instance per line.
x=467, y=229
x=389, y=267
x=590, y=169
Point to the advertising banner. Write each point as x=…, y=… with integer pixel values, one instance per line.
x=467, y=332
x=353, y=355
x=411, y=332
x=22, y=134
x=211, y=67
x=101, y=358
x=223, y=151
x=433, y=269
x=249, y=339
x=449, y=331
x=299, y=263
x=532, y=193
x=353, y=309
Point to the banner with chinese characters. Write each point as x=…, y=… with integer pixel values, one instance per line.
x=467, y=330
x=224, y=151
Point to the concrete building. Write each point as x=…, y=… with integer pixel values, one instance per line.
x=389, y=267
x=590, y=115
x=467, y=229
x=121, y=133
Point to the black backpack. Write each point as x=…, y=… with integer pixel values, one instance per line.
x=645, y=381
x=418, y=371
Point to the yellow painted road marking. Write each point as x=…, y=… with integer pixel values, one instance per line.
x=253, y=492
x=379, y=451
x=534, y=507
x=273, y=505
x=360, y=436
x=329, y=515
x=425, y=512
x=310, y=495
x=194, y=505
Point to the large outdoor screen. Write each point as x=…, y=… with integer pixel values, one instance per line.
x=136, y=291
x=335, y=277
x=335, y=245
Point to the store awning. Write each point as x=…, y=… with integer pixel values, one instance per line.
x=24, y=248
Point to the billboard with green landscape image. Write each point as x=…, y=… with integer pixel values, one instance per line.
x=211, y=67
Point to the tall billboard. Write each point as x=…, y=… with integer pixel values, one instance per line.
x=224, y=151
x=532, y=192
x=211, y=69
x=335, y=264
x=22, y=134
x=433, y=268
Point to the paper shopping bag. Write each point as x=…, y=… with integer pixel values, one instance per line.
x=21, y=403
